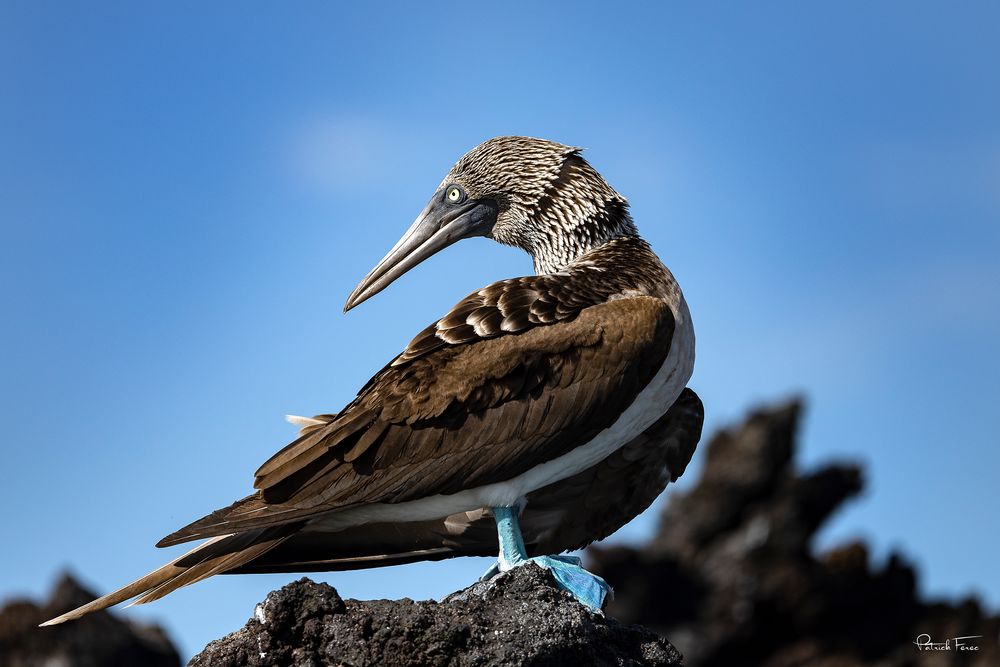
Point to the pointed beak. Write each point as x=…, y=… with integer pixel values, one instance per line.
x=437, y=227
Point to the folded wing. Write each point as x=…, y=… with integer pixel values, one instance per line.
x=461, y=416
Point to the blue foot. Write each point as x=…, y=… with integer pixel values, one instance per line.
x=589, y=589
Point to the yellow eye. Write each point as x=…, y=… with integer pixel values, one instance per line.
x=454, y=194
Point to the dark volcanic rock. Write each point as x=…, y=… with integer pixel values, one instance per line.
x=520, y=618
x=97, y=640
x=732, y=578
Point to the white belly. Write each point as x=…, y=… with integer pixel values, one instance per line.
x=648, y=406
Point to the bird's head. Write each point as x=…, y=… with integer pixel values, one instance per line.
x=538, y=195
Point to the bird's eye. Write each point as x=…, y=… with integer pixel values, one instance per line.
x=454, y=194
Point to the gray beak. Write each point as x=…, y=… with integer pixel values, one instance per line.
x=437, y=227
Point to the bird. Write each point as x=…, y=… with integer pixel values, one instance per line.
x=539, y=414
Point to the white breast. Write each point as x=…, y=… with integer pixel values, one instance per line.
x=647, y=407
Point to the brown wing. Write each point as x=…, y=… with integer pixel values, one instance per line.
x=461, y=416
x=562, y=516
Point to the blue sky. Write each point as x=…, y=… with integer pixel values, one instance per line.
x=188, y=193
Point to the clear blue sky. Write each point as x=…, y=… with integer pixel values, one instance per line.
x=188, y=192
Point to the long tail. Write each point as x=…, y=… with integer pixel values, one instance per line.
x=219, y=554
x=287, y=548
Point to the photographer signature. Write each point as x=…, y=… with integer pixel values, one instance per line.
x=924, y=643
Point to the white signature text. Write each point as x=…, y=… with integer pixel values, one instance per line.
x=924, y=643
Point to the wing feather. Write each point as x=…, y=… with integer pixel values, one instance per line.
x=484, y=413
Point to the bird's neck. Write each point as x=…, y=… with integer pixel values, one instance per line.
x=607, y=222
x=578, y=213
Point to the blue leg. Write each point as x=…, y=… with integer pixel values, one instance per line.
x=588, y=588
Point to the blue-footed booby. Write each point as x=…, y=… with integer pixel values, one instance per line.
x=538, y=415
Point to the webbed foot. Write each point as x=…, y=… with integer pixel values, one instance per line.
x=589, y=589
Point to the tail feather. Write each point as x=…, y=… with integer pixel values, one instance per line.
x=310, y=424
x=217, y=555
x=209, y=566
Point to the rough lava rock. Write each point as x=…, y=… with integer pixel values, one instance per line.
x=519, y=618
x=732, y=579
x=98, y=640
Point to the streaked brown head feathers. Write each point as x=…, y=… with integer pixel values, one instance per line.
x=537, y=195
x=552, y=203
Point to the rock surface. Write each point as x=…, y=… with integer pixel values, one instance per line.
x=99, y=640
x=732, y=579
x=520, y=618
